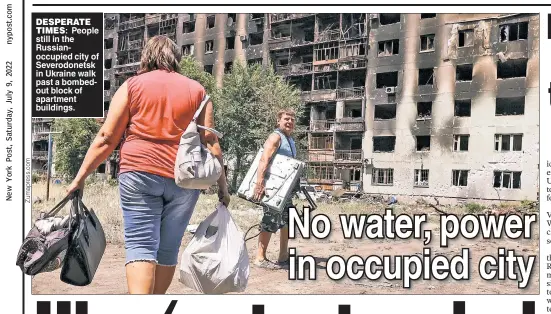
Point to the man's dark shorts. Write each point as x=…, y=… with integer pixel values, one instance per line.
x=272, y=220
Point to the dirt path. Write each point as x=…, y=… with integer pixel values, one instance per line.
x=110, y=278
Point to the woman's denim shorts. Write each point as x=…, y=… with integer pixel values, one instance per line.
x=156, y=213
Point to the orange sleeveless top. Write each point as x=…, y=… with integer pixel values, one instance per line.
x=162, y=105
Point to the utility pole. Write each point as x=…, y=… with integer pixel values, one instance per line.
x=49, y=175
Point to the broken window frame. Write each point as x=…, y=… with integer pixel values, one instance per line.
x=381, y=74
x=108, y=63
x=457, y=103
x=328, y=82
x=321, y=142
x=282, y=32
x=507, y=29
x=358, y=140
x=425, y=149
x=206, y=66
x=385, y=174
x=326, y=51
x=514, y=142
x=188, y=50
x=430, y=81
x=520, y=70
x=256, y=36
x=511, y=175
x=256, y=16
x=233, y=17
x=427, y=40
x=464, y=33
x=230, y=42
x=381, y=18
x=350, y=110
x=207, y=44
x=390, y=48
x=322, y=172
x=460, y=177
x=377, y=117
x=507, y=113
x=419, y=113
x=431, y=16
x=207, y=24
x=108, y=42
x=460, y=141
x=459, y=70
x=351, y=50
x=382, y=145
x=421, y=178
x=188, y=27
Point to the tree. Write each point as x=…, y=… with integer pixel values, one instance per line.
x=72, y=144
x=247, y=112
x=245, y=109
x=191, y=68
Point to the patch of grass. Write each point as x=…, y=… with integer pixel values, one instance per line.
x=474, y=208
x=103, y=198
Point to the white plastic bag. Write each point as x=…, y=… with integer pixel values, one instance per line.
x=216, y=260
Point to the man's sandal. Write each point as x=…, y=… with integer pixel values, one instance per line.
x=266, y=264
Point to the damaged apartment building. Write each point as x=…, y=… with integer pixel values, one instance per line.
x=326, y=56
x=430, y=105
x=433, y=105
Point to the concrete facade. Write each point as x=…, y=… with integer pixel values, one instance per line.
x=481, y=160
x=433, y=105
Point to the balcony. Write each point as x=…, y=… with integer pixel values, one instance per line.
x=329, y=35
x=294, y=69
x=281, y=17
x=156, y=18
x=40, y=154
x=354, y=64
x=321, y=156
x=128, y=68
x=280, y=43
x=43, y=128
x=351, y=93
x=323, y=95
x=322, y=125
x=39, y=137
x=357, y=31
x=348, y=156
x=326, y=67
x=135, y=23
x=132, y=45
x=350, y=124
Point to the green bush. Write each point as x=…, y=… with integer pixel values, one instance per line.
x=474, y=208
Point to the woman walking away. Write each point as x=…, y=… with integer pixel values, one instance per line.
x=152, y=109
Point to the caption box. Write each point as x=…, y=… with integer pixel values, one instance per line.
x=67, y=68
